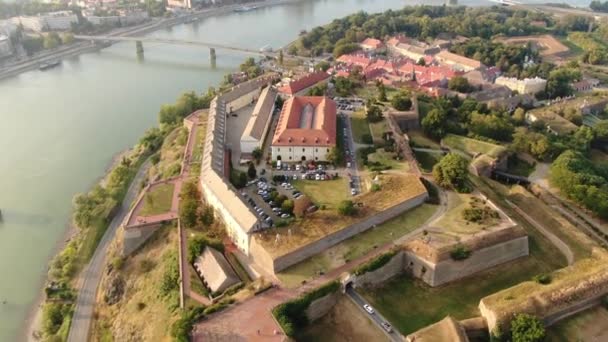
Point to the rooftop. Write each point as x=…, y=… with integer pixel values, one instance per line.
x=303, y=82
x=307, y=120
x=216, y=270
x=260, y=115
x=458, y=59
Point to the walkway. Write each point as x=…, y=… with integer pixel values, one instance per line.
x=556, y=241
x=83, y=312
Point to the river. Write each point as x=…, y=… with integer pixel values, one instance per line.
x=60, y=128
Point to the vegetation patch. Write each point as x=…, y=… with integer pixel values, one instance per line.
x=472, y=146
x=460, y=253
x=375, y=263
x=291, y=315
x=158, y=200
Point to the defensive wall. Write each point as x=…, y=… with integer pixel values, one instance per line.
x=275, y=264
x=321, y=307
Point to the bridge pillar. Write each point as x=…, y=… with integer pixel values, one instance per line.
x=212, y=57
x=139, y=47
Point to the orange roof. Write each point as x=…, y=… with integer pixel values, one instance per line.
x=306, y=121
x=394, y=41
x=458, y=59
x=304, y=82
x=350, y=59
x=371, y=43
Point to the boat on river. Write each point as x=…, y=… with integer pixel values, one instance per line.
x=245, y=9
x=48, y=65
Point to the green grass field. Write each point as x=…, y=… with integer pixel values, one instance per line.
x=360, y=127
x=158, y=200
x=357, y=246
x=377, y=130
x=427, y=160
x=329, y=193
x=519, y=167
x=387, y=158
x=418, y=139
x=472, y=146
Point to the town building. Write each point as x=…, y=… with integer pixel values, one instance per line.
x=6, y=48
x=526, y=86
x=180, y=3
x=585, y=85
x=306, y=129
x=458, y=62
x=125, y=18
x=215, y=270
x=411, y=48
x=303, y=83
x=371, y=44
x=53, y=21
x=259, y=122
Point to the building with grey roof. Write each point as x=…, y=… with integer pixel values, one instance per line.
x=215, y=270
x=257, y=127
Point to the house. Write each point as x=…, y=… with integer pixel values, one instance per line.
x=215, y=270
x=401, y=45
x=351, y=60
x=52, y=21
x=6, y=48
x=303, y=83
x=371, y=44
x=259, y=122
x=509, y=104
x=526, y=86
x=458, y=62
x=306, y=129
x=585, y=85
x=491, y=93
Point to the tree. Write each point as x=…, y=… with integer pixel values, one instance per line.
x=452, y=172
x=251, y=171
x=332, y=156
x=188, y=213
x=401, y=101
x=281, y=57
x=300, y=206
x=257, y=154
x=601, y=129
x=381, y=91
x=527, y=328
x=519, y=116
x=52, y=40
x=421, y=61
x=491, y=126
x=67, y=38
x=559, y=82
x=434, y=123
x=460, y=84
x=322, y=66
x=347, y=208
x=287, y=206
x=374, y=114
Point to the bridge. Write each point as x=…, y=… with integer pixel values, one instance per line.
x=140, y=40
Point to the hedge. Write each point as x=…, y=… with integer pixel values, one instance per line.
x=375, y=264
x=291, y=315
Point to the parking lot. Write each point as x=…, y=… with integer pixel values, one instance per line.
x=349, y=104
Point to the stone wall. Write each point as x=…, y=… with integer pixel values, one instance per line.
x=261, y=257
x=133, y=238
x=391, y=269
x=321, y=307
x=449, y=270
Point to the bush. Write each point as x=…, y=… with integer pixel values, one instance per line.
x=460, y=253
x=180, y=329
x=140, y=306
x=375, y=187
x=375, y=263
x=291, y=315
x=543, y=279
x=367, y=139
x=197, y=245
x=170, y=278
x=118, y=263
x=146, y=265
x=527, y=328
x=347, y=208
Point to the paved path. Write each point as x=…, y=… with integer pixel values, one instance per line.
x=556, y=241
x=376, y=317
x=83, y=312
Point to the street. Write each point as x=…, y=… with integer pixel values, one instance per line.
x=376, y=317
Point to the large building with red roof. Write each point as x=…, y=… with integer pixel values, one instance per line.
x=306, y=129
x=304, y=82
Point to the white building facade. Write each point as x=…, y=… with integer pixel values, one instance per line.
x=529, y=86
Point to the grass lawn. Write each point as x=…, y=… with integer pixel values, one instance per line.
x=238, y=268
x=357, y=246
x=418, y=139
x=158, y=200
x=427, y=160
x=472, y=146
x=378, y=129
x=388, y=158
x=589, y=325
x=196, y=284
x=453, y=221
x=360, y=126
x=329, y=193
x=410, y=304
x=199, y=140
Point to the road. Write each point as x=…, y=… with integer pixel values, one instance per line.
x=352, y=148
x=376, y=317
x=85, y=304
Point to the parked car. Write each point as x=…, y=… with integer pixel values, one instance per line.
x=295, y=177
x=285, y=215
x=276, y=209
x=386, y=327
x=297, y=196
x=368, y=308
x=317, y=177
x=298, y=166
x=268, y=219
x=353, y=191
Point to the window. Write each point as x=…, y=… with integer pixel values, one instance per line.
x=289, y=157
x=316, y=158
x=327, y=150
x=290, y=149
x=279, y=149
x=303, y=149
x=316, y=150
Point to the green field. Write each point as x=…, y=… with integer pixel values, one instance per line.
x=472, y=146
x=453, y=221
x=427, y=160
x=378, y=129
x=360, y=127
x=357, y=246
x=158, y=200
x=418, y=139
x=519, y=167
x=387, y=158
x=329, y=193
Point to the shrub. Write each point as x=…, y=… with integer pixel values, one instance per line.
x=375, y=187
x=146, y=265
x=543, y=279
x=347, y=208
x=197, y=245
x=140, y=306
x=375, y=263
x=527, y=328
x=460, y=253
x=180, y=329
x=291, y=315
x=367, y=139
x=118, y=262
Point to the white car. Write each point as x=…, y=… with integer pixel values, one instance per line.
x=298, y=166
x=368, y=308
x=317, y=177
x=295, y=177
x=353, y=192
x=285, y=216
x=387, y=327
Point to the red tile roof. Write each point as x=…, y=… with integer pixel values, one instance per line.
x=371, y=43
x=306, y=121
x=303, y=82
x=355, y=59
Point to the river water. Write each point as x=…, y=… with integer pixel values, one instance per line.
x=60, y=129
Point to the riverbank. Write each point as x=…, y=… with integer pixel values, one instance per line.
x=79, y=48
